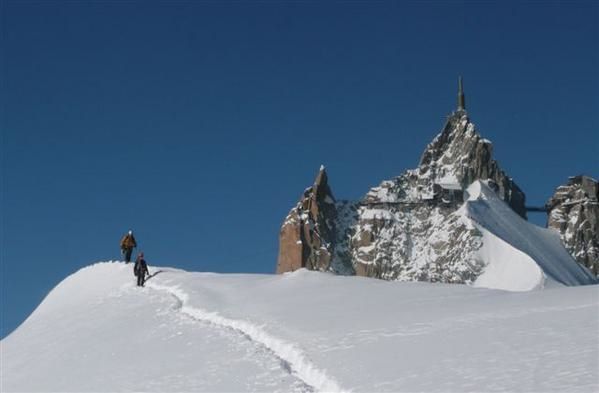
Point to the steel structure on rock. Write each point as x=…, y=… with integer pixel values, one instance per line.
x=461, y=98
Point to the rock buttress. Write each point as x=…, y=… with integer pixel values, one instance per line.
x=573, y=211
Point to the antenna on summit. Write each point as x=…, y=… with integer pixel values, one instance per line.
x=461, y=98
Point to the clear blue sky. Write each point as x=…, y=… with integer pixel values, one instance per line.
x=199, y=124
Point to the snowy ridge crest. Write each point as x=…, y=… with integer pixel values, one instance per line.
x=249, y=332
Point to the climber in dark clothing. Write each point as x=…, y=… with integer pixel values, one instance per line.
x=140, y=269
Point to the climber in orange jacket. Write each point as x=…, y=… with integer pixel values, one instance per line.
x=127, y=245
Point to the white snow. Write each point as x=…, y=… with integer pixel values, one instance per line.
x=507, y=267
x=300, y=332
x=374, y=214
x=512, y=246
x=449, y=182
x=382, y=193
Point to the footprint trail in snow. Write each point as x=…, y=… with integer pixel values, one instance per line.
x=292, y=358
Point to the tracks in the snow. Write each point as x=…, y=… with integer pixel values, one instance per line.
x=292, y=359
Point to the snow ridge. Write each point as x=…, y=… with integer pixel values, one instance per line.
x=541, y=245
x=292, y=357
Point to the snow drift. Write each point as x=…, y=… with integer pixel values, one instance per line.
x=518, y=255
x=300, y=332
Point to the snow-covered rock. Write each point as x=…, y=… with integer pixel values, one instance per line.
x=420, y=226
x=414, y=243
x=459, y=156
x=574, y=212
x=205, y=332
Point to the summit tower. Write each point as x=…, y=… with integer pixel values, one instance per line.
x=461, y=98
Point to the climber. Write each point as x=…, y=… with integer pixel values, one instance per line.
x=140, y=269
x=127, y=245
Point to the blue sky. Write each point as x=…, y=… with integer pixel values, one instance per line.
x=199, y=124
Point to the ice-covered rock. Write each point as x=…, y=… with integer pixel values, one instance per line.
x=573, y=210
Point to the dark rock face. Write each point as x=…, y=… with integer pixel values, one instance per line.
x=574, y=211
x=307, y=237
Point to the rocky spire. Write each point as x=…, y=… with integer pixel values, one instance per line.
x=461, y=98
x=307, y=237
x=459, y=155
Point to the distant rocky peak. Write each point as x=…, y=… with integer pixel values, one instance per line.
x=427, y=223
x=454, y=128
x=459, y=155
x=455, y=158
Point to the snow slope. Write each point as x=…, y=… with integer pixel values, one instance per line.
x=519, y=255
x=507, y=267
x=302, y=331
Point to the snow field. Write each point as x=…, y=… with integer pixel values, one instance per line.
x=372, y=335
x=292, y=357
x=98, y=332
x=301, y=332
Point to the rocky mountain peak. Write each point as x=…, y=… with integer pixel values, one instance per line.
x=459, y=155
x=403, y=229
x=411, y=227
x=438, y=151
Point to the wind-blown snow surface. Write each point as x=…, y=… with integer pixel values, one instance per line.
x=518, y=255
x=301, y=331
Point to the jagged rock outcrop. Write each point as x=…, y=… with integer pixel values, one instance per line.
x=459, y=156
x=415, y=243
x=407, y=227
x=307, y=237
x=456, y=218
x=573, y=210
